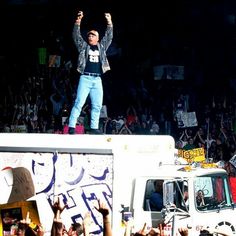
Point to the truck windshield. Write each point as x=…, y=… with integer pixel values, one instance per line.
x=212, y=193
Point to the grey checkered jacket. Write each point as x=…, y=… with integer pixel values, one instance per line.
x=83, y=48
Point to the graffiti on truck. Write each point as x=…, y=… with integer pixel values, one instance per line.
x=79, y=180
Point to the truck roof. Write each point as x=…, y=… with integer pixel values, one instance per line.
x=183, y=171
x=161, y=146
x=85, y=143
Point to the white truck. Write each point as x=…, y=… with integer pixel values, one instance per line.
x=119, y=170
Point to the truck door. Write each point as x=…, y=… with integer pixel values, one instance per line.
x=142, y=212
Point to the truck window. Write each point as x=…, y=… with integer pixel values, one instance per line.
x=211, y=193
x=180, y=195
x=153, y=200
x=176, y=194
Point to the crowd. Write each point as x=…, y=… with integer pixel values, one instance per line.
x=42, y=104
x=24, y=228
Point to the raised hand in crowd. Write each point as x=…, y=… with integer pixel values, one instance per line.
x=86, y=223
x=104, y=210
x=25, y=227
x=58, y=208
x=183, y=231
x=58, y=228
x=129, y=224
x=150, y=231
x=143, y=231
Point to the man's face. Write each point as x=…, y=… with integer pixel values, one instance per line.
x=185, y=194
x=92, y=39
x=20, y=232
x=64, y=232
x=71, y=231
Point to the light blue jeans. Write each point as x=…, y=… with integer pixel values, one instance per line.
x=92, y=86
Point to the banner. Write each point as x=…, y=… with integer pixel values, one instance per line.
x=12, y=213
x=54, y=61
x=103, y=113
x=193, y=155
x=186, y=119
x=42, y=56
x=232, y=181
x=19, y=128
x=233, y=161
x=168, y=72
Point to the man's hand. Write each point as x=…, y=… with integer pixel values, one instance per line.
x=108, y=18
x=87, y=219
x=183, y=231
x=80, y=15
x=58, y=206
x=102, y=208
x=58, y=209
x=142, y=232
x=27, y=219
x=40, y=231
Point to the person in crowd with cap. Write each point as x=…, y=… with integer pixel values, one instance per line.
x=92, y=63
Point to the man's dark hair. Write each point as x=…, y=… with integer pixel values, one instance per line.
x=78, y=228
x=205, y=233
x=185, y=188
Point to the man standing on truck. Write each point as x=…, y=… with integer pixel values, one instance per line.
x=92, y=64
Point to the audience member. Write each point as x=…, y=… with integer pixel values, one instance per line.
x=24, y=229
x=185, y=203
x=156, y=198
x=200, y=198
x=104, y=210
x=58, y=228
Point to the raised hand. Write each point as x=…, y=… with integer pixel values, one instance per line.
x=102, y=208
x=27, y=219
x=108, y=18
x=58, y=208
x=80, y=15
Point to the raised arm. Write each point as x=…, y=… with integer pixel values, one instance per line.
x=107, y=39
x=77, y=37
x=108, y=18
x=57, y=226
x=80, y=15
x=102, y=208
x=86, y=224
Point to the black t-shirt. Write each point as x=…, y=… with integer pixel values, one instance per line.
x=93, y=64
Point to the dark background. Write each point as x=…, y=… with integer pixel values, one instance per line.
x=197, y=34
